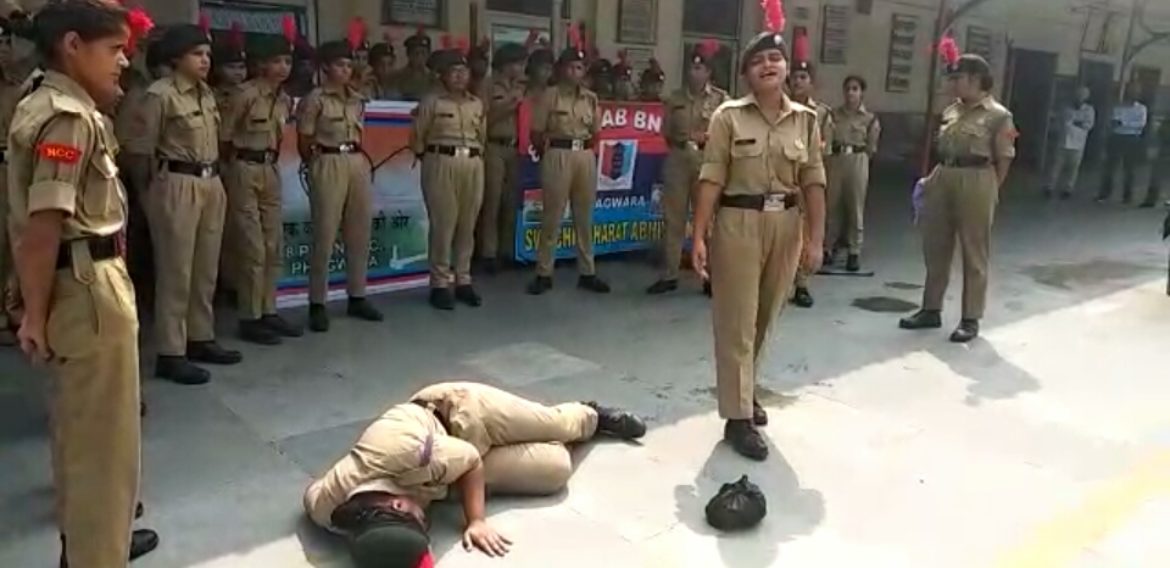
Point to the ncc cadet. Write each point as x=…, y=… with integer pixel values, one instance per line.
x=10, y=94
x=854, y=142
x=177, y=150
x=469, y=436
x=479, y=61
x=68, y=212
x=802, y=84
x=600, y=78
x=539, y=71
x=623, y=78
x=762, y=163
x=252, y=132
x=229, y=70
x=976, y=145
x=448, y=136
x=304, y=75
x=329, y=125
x=380, y=85
x=688, y=113
x=651, y=82
x=497, y=221
x=565, y=123
x=415, y=80
x=358, y=38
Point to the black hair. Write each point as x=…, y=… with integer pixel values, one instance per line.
x=91, y=20
x=978, y=67
x=855, y=79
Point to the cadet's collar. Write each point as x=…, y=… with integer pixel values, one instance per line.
x=860, y=109
x=67, y=85
x=785, y=107
x=567, y=89
x=703, y=93
x=339, y=90
x=185, y=84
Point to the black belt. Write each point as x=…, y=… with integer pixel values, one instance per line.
x=347, y=148
x=754, y=202
x=966, y=162
x=100, y=248
x=193, y=169
x=509, y=142
x=570, y=144
x=257, y=156
x=849, y=149
x=459, y=151
x=688, y=145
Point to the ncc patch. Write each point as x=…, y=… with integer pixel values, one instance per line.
x=62, y=153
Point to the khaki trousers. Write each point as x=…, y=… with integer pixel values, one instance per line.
x=93, y=408
x=681, y=173
x=340, y=197
x=523, y=442
x=754, y=257
x=848, y=183
x=567, y=176
x=229, y=257
x=255, y=221
x=8, y=277
x=497, y=218
x=453, y=190
x=186, y=215
x=959, y=203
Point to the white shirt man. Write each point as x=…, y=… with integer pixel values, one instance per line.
x=1126, y=147
x=1077, y=121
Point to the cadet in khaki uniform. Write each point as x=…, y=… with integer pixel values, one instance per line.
x=448, y=136
x=854, y=142
x=68, y=213
x=468, y=435
x=688, y=113
x=229, y=70
x=976, y=145
x=565, y=123
x=10, y=93
x=329, y=125
x=380, y=84
x=252, y=131
x=539, y=72
x=497, y=221
x=802, y=84
x=415, y=80
x=762, y=164
x=185, y=206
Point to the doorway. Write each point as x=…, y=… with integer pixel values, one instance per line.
x=1032, y=83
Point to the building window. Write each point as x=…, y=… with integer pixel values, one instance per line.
x=540, y=8
x=711, y=18
x=428, y=13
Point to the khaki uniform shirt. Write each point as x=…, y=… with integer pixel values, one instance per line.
x=127, y=122
x=748, y=155
x=179, y=121
x=61, y=152
x=415, y=84
x=567, y=113
x=223, y=97
x=404, y=452
x=855, y=128
x=504, y=97
x=377, y=90
x=687, y=114
x=332, y=116
x=984, y=129
x=255, y=117
x=445, y=120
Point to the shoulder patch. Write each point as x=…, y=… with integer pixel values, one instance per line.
x=62, y=153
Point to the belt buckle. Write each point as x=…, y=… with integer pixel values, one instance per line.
x=345, y=148
x=847, y=150
x=205, y=171
x=462, y=152
x=775, y=202
x=692, y=145
x=578, y=145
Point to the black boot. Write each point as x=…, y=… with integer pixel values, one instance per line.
x=540, y=285
x=281, y=326
x=662, y=287
x=441, y=299
x=745, y=439
x=802, y=298
x=759, y=415
x=968, y=330
x=212, y=353
x=468, y=295
x=254, y=331
x=362, y=309
x=618, y=423
x=490, y=266
x=179, y=370
x=923, y=319
x=593, y=284
x=707, y=288
x=853, y=263
x=142, y=542
x=318, y=318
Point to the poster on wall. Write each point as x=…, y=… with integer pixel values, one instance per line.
x=900, y=62
x=627, y=215
x=835, y=35
x=980, y=42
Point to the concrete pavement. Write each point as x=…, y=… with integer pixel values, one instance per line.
x=1046, y=443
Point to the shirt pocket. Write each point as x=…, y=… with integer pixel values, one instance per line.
x=974, y=139
x=101, y=192
x=795, y=150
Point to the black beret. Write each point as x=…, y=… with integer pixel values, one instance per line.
x=389, y=544
x=571, y=55
x=443, y=60
x=270, y=47
x=178, y=40
x=971, y=64
x=805, y=66
x=332, y=51
x=420, y=40
x=601, y=67
x=541, y=57
x=154, y=54
x=762, y=42
x=381, y=50
x=509, y=53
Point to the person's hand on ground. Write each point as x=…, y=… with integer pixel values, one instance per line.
x=483, y=537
